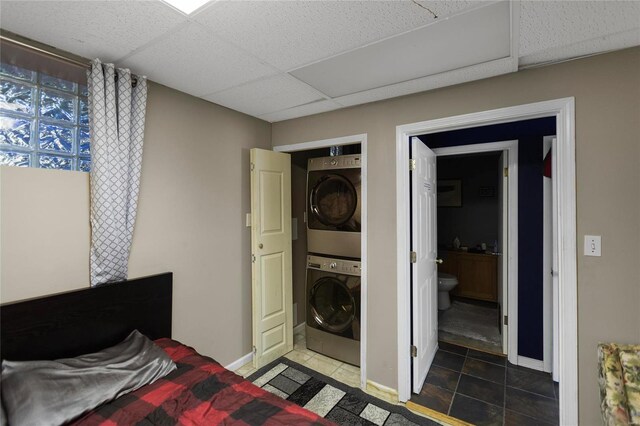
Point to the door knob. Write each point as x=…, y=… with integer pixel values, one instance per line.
x=260, y=245
x=439, y=260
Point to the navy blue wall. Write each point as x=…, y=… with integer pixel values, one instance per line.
x=529, y=133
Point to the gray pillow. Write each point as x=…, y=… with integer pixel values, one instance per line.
x=55, y=392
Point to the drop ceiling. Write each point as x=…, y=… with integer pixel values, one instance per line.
x=278, y=60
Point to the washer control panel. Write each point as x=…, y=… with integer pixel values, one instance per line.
x=337, y=162
x=339, y=266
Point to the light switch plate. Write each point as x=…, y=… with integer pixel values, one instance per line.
x=248, y=220
x=592, y=245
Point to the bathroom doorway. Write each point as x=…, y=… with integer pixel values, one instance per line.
x=562, y=111
x=473, y=180
x=474, y=176
x=525, y=253
x=472, y=281
x=478, y=244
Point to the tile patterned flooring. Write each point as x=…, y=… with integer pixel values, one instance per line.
x=482, y=388
x=470, y=385
x=340, y=371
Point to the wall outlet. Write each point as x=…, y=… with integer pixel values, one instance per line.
x=592, y=245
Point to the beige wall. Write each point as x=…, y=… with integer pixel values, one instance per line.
x=44, y=232
x=193, y=197
x=607, y=93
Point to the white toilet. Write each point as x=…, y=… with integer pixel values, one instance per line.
x=446, y=283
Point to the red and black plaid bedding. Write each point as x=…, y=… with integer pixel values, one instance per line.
x=199, y=392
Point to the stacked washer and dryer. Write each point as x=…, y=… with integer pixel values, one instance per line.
x=333, y=261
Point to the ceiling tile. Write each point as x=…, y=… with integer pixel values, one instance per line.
x=265, y=96
x=94, y=29
x=289, y=34
x=196, y=62
x=550, y=24
x=478, y=36
x=462, y=75
x=583, y=48
x=229, y=51
x=301, y=110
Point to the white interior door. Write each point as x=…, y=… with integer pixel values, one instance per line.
x=424, y=279
x=503, y=241
x=272, y=293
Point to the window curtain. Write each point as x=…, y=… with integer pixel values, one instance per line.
x=117, y=104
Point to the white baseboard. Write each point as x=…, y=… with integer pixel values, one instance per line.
x=299, y=329
x=383, y=392
x=240, y=362
x=534, y=364
x=248, y=357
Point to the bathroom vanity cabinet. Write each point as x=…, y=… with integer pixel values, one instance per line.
x=477, y=274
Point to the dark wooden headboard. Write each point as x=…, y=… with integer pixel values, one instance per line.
x=84, y=321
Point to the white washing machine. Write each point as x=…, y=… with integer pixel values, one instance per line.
x=333, y=205
x=333, y=308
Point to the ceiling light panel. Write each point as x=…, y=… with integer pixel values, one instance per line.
x=471, y=38
x=187, y=6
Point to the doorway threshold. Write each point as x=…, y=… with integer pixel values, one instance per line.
x=481, y=388
x=436, y=415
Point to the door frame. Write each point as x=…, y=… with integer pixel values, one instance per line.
x=564, y=112
x=547, y=262
x=511, y=287
x=348, y=140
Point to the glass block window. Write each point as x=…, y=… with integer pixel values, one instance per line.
x=44, y=121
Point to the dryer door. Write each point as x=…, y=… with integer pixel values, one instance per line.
x=333, y=307
x=333, y=200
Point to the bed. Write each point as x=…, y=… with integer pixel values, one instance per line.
x=197, y=391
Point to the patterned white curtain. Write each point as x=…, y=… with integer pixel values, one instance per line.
x=116, y=118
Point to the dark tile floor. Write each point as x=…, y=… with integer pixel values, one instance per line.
x=485, y=389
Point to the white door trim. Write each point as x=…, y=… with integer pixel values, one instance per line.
x=564, y=111
x=512, y=235
x=347, y=140
x=547, y=263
